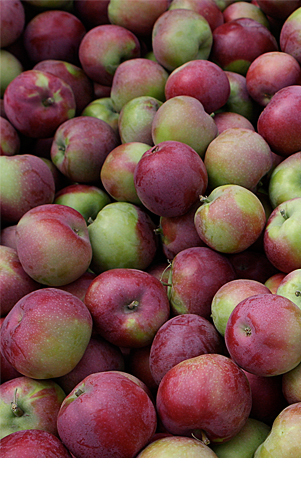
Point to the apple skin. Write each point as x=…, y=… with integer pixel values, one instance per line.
x=12, y=21
x=80, y=146
x=274, y=281
x=201, y=79
x=278, y=9
x=8, y=236
x=92, y=13
x=237, y=43
x=53, y=34
x=291, y=385
x=263, y=334
x=128, y=306
x=282, y=236
x=53, y=244
x=32, y=443
x=197, y=128
x=239, y=9
x=228, y=119
x=290, y=39
x=139, y=16
x=10, y=142
x=279, y=123
x=80, y=286
x=122, y=235
x=230, y=219
x=176, y=447
x=117, y=171
x=7, y=371
x=196, y=275
x=99, y=356
x=10, y=68
x=14, y=282
x=87, y=199
x=103, y=109
x=284, y=182
x=135, y=78
x=290, y=287
x=136, y=118
x=36, y=103
x=103, y=48
x=138, y=365
x=182, y=337
x=78, y=80
x=228, y=296
x=208, y=394
x=237, y=156
x=240, y=100
x=206, y=8
x=46, y=333
x=179, y=36
x=165, y=190
x=121, y=431
x=269, y=73
x=26, y=403
x=26, y=182
x=252, y=264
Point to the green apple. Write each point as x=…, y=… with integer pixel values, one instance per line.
x=10, y=67
x=136, y=118
x=290, y=287
x=285, y=180
x=88, y=200
x=103, y=109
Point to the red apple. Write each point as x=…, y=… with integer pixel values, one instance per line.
x=290, y=39
x=230, y=119
x=8, y=236
x=12, y=21
x=32, y=443
x=138, y=365
x=9, y=138
x=80, y=286
x=239, y=9
x=274, y=281
x=278, y=9
x=92, y=13
x=7, y=371
x=252, y=264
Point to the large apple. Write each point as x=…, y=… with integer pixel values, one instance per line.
x=284, y=181
x=46, y=333
x=53, y=244
x=26, y=403
x=136, y=118
x=128, y=306
x=87, y=199
x=263, y=334
x=207, y=396
x=36, y=103
x=177, y=447
x=32, y=443
x=107, y=415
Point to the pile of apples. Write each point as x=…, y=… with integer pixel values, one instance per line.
x=150, y=256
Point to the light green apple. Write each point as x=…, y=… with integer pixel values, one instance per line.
x=10, y=67
x=290, y=287
x=285, y=180
x=88, y=200
x=103, y=109
x=136, y=118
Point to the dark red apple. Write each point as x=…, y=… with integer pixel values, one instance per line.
x=32, y=443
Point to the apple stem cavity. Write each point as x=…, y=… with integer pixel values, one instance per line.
x=48, y=102
x=201, y=436
x=78, y=393
x=133, y=305
x=17, y=411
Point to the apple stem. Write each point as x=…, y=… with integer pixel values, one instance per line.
x=79, y=392
x=161, y=279
x=203, y=199
x=283, y=213
x=48, y=101
x=17, y=411
x=201, y=435
x=133, y=305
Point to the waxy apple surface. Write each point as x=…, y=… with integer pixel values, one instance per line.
x=32, y=443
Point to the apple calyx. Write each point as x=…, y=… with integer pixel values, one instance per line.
x=298, y=293
x=247, y=331
x=204, y=199
x=79, y=392
x=200, y=435
x=48, y=102
x=17, y=411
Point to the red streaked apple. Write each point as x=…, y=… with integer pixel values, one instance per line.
x=32, y=443
x=10, y=142
x=289, y=38
x=139, y=16
x=177, y=447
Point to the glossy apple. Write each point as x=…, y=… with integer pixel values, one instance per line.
x=164, y=189
x=139, y=16
x=36, y=103
x=26, y=403
x=46, y=333
x=26, y=182
x=87, y=199
x=128, y=306
x=10, y=142
x=176, y=447
x=179, y=36
x=10, y=67
x=228, y=119
x=32, y=443
x=284, y=180
x=80, y=146
x=136, y=118
x=103, y=109
x=196, y=389
x=122, y=235
x=12, y=21
x=290, y=39
x=263, y=334
x=121, y=431
x=206, y=8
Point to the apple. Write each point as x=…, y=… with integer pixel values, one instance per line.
x=274, y=281
x=229, y=295
x=290, y=39
x=196, y=275
x=284, y=181
x=128, y=306
x=26, y=182
x=179, y=36
x=230, y=219
x=169, y=178
x=239, y=9
x=291, y=385
x=206, y=8
x=75, y=76
x=136, y=118
x=117, y=171
x=36, y=103
x=240, y=100
x=103, y=109
x=279, y=123
x=92, y=13
x=80, y=146
x=8, y=236
x=87, y=199
x=229, y=119
x=49, y=4
x=107, y=415
x=32, y=443
x=135, y=78
x=207, y=397
x=138, y=16
x=121, y=236
x=53, y=34
x=269, y=73
x=12, y=21
x=10, y=68
x=237, y=156
x=7, y=371
x=263, y=334
x=238, y=42
x=182, y=337
x=177, y=447
x=138, y=365
x=46, y=333
x=99, y=356
x=53, y=244
x=290, y=287
x=282, y=235
x=14, y=281
x=103, y=48
x=10, y=142
x=26, y=403
x=278, y=9
x=252, y=264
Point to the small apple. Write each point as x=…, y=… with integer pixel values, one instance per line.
x=32, y=443
x=290, y=287
x=137, y=16
x=136, y=118
x=239, y=100
x=12, y=21
x=274, y=281
x=87, y=199
x=103, y=109
x=10, y=142
x=177, y=447
x=10, y=68
x=284, y=181
x=229, y=119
